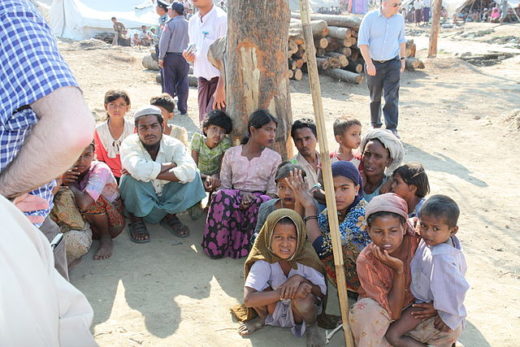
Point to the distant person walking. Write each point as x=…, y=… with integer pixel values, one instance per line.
x=209, y=24
x=162, y=11
x=383, y=46
x=120, y=31
x=173, y=41
x=426, y=11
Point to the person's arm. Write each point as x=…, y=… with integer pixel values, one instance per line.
x=219, y=97
x=254, y=298
x=363, y=43
x=185, y=168
x=396, y=294
x=225, y=171
x=402, y=46
x=64, y=129
x=195, y=156
x=83, y=200
x=163, y=44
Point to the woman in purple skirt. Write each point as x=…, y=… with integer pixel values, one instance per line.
x=247, y=180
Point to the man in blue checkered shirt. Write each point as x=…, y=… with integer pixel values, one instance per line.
x=44, y=122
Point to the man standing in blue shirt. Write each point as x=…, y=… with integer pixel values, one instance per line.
x=173, y=41
x=383, y=46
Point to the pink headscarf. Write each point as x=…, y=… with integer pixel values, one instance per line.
x=389, y=202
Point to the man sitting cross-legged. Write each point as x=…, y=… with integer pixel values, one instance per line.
x=160, y=179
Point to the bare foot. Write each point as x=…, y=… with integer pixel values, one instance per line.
x=105, y=248
x=249, y=327
x=315, y=337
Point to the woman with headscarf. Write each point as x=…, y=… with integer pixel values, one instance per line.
x=351, y=217
x=380, y=150
x=284, y=283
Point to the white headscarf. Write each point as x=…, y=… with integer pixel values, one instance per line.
x=390, y=142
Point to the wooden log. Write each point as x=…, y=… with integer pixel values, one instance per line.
x=354, y=66
x=345, y=76
x=290, y=74
x=323, y=63
x=349, y=21
x=356, y=54
x=349, y=42
x=299, y=63
x=410, y=48
x=298, y=75
x=149, y=63
x=192, y=80
x=340, y=58
x=321, y=43
x=339, y=33
x=292, y=47
x=413, y=63
x=334, y=44
x=346, y=51
x=320, y=52
x=292, y=64
x=256, y=66
x=319, y=28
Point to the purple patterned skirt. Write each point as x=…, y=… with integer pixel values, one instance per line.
x=228, y=227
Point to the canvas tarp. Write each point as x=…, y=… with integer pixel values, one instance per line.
x=82, y=19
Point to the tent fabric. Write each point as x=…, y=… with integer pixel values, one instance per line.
x=82, y=19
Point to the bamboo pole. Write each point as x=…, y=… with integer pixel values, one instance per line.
x=314, y=81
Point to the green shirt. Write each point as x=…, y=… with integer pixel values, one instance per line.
x=209, y=158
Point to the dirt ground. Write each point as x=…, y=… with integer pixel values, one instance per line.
x=456, y=119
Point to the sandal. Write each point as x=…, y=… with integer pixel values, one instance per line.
x=175, y=226
x=138, y=228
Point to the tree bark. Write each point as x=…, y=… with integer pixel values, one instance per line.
x=256, y=71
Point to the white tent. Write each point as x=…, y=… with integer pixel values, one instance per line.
x=82, y=19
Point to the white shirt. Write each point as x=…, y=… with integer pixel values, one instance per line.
x=39, y=307
x=138, y=162
x=202, y=33
x=438, y=276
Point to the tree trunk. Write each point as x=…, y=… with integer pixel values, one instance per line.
x=256, y=71
x=434, y=33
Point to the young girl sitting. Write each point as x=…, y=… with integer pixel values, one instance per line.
x=167, y=105
x=383, y=268
x=284, y=277
x=438, y=270
x=285, y=196
x=110, y=134
x=247, y=180
x=410, y=182
x=207, y=149
x=347, y=132
x=351, y=217
x=97, y=197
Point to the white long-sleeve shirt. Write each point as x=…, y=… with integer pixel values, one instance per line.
x=138, y=162
x=438, y=276
x=38, y=306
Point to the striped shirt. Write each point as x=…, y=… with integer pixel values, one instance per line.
x=30, y=68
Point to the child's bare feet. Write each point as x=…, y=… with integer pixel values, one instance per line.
x=105, y=248
x=249, y=327
x=315, y=337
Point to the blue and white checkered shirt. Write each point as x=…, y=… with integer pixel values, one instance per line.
x=30, y=68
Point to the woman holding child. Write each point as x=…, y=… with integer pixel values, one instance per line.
x=380, y=150
x=247, y=180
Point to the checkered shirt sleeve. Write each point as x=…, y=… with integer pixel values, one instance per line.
x=30, y=68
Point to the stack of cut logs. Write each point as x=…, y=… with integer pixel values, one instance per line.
x=337, y=54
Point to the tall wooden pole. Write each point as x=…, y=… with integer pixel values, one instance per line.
x=436, y=24
x=315, y=88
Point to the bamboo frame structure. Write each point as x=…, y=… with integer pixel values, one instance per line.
x=315, y=88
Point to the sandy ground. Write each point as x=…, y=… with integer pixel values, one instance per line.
x=456, y=119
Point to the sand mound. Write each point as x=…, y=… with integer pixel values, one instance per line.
x=512, y=120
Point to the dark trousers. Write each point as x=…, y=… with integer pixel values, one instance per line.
x=175, y=82
x=206, y=91
x=386, y=82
